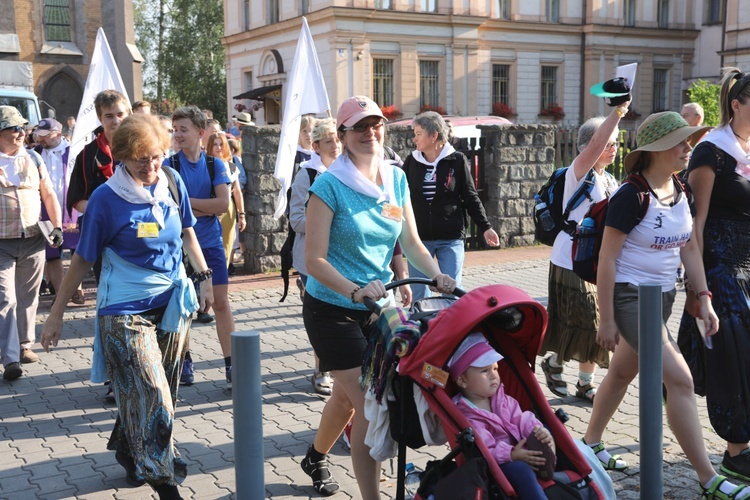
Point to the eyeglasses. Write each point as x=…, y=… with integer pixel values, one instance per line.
x=143, y=162
x=361, y=128
x=610, y=145
x=17, y=129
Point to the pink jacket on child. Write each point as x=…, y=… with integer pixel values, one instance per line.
x=501, y=429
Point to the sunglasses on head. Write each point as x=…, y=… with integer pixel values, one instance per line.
x=17, y=129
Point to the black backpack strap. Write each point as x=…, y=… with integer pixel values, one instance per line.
x=644, y=193
x=211, y=166
x=583, y=190
x=174, y=162
x=312, y=174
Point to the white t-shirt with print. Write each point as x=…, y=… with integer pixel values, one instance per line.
x=651, y=252
x=604, y=185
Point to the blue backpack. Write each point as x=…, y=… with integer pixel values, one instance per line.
x=549, y=215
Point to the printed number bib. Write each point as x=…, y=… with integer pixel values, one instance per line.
x=392, y=212
x=148, y=230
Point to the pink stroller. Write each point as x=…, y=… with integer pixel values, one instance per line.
x=514, y=324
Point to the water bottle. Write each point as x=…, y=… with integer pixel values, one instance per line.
x=411, y=483
x=548, y=224
x=586, y=236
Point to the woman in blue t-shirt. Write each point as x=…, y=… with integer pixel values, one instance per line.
x=357, y=210
x=144, y=300
x=640, y=248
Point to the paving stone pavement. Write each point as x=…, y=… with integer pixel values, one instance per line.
x=55, y=422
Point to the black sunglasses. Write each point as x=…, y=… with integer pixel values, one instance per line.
x=17, y=129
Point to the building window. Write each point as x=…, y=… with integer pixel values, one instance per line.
x=272, y=15
x=502, y=8
x=549, y=86
x=246, y=13
x=428, y=5
x=57, y=21
x=247, y=84
x=661, y=88
x=304, y=7
x=629, y=12
x=552, y=10
x=662, y=14
x=428, y=84
x=501, y=83
x=384, y=4
x=382, y=81
x=714, y=11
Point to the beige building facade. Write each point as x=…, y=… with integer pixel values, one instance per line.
x=54, y=40
x=466, y=55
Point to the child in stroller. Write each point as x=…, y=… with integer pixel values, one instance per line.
x=497, y=418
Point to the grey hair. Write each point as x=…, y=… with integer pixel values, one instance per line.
x=432, y=122
x=587, y=131
x=695, y=107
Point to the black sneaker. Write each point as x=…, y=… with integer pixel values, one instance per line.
x=204, y=318
x=12, y=371
x=323, y=482
x=167, y=492
x=128, y=464
x=738, y=467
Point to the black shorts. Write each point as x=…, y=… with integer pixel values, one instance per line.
x=337, y=334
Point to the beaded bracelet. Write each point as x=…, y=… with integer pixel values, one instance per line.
x=354, y=292
x=705, y=292
x=199, y=277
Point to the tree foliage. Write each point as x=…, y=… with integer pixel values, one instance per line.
x=184, y=57
x=707, y=95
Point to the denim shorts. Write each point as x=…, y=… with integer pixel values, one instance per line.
x=626, y=313
x=337, y=334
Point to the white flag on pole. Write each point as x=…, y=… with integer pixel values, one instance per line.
x=306, y=93
x=103, y=75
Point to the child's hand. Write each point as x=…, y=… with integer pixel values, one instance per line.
x=544, y=436
x=533, y=458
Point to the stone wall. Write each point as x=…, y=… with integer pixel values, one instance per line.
x=518, y=160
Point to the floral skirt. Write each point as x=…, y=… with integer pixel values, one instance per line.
x=573, y=311
x=722, y=373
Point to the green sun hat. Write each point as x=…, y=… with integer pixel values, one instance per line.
x=660, y=132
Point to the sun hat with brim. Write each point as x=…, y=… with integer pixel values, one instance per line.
x=355, y=109
x=473, y=351
x=244, y=118
x=615, y=91
x=660, y=132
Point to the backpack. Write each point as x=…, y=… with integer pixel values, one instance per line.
x=288, y=247
x=587, y=239
x=549, y=216
x=174, y=162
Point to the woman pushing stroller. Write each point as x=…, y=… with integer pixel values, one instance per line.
x=497, y=419
x=357, y=210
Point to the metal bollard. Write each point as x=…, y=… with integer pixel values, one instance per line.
x=650, y=368
x=248, y=415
